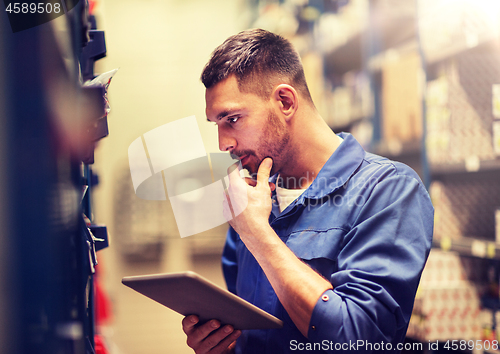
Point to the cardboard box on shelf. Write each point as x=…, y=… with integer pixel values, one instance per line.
x=402, y=99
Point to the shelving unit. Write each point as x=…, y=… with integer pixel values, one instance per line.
x=470, y=168
x=460, y=69
x=451, y=143
x=46, y=118
x=470, y=247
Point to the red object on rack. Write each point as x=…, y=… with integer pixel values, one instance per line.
x=99, y=346
x=103, y=313
x=92, y=4
x=103, y=310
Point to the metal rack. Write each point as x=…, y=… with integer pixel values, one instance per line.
x=46, y=116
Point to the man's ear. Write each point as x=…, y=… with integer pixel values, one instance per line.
x=287, y=100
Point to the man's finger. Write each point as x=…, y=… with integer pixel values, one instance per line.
x=237, y=191
x=200, y=332
x=233, y=173
x=264, y=171
x=188, y=323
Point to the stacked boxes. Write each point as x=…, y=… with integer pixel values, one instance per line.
x=449, y=269
x=446, y=222
x=450, y=313
x=448, y=303
x=460, y=119
x=438, y=120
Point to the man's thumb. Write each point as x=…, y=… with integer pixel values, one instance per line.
x=264, y=170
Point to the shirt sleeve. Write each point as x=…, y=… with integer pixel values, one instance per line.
x=230, y=261
x=379, y=267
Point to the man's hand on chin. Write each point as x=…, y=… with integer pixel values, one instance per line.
x=247, y=203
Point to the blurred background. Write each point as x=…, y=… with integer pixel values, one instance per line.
x=417, y=81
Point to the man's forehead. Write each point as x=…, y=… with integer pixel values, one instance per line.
x=225, y=98
x=223, y=109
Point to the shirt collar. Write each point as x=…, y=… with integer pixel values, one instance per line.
x=337, y=170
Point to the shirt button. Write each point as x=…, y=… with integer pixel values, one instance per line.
x=325, y=298
x=313, y=328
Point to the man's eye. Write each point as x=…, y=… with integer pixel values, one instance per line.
x=233, y=120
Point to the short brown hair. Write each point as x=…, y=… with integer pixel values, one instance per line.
x=260, y=60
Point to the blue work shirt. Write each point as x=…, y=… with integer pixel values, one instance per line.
x=365, y=224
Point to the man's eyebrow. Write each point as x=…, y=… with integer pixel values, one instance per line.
x=221, y=115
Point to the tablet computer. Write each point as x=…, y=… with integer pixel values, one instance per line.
x=188, y=293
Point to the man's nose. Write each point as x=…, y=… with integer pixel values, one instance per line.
x=226, y=141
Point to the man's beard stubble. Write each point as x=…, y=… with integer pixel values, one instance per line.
x=274, y=144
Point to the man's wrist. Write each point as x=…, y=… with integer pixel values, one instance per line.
x=261, y=235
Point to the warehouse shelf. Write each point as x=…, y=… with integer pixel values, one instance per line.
x=469, y=246
x=377, y=62
x=470, y=166
x=459, y=47
x=391, y=25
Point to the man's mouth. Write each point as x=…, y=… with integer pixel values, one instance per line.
x=244, y=159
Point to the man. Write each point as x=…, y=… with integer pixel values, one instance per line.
x=336, y=250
